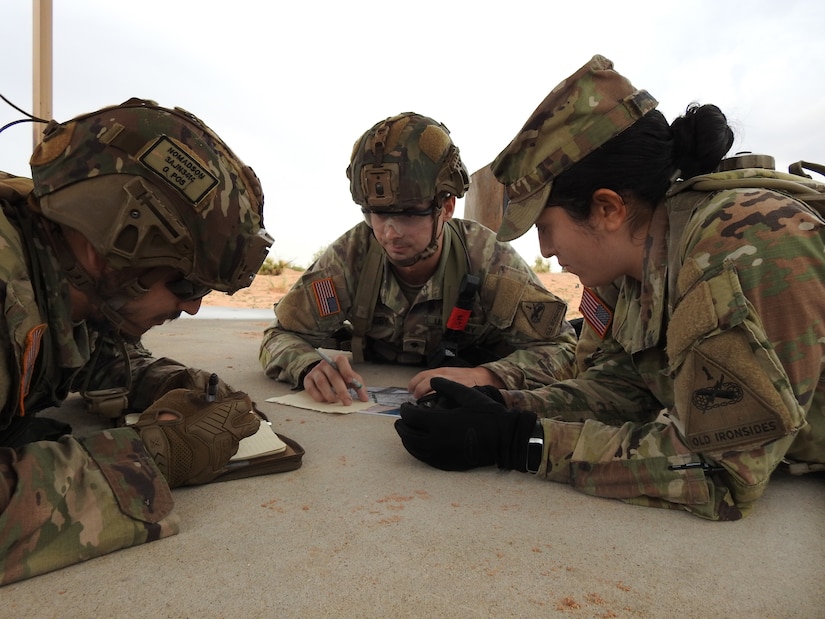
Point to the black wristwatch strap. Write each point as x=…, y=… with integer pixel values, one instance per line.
x=535, y=448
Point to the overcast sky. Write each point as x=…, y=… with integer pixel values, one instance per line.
x=290, y=86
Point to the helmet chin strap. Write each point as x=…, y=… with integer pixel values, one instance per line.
x=109, y=305
x=433, y=245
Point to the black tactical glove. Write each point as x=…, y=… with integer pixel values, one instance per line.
x=459, y=428
x=194, y=447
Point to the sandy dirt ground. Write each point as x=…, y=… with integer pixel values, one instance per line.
x=267, y=289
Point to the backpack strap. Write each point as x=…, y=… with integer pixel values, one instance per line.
x=457, y=267
x=369, y=284
x=799, y=187
x=14, y=188
x=682, y=201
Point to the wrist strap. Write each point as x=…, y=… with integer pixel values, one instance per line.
x=535, y=449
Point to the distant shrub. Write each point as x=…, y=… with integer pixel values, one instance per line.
x=541, y=265
x=271, y=267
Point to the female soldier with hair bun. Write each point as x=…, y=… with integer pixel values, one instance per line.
x=694, y=384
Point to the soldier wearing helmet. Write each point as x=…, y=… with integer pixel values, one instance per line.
x=413, y=285
x=133, y=213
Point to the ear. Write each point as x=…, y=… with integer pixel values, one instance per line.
x=608, y=210
x=86, y=254
x=448, y=208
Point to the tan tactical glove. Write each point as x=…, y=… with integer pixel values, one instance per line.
x=193, y=447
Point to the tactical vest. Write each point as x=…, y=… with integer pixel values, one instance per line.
x=46, y=386
x=369, y=284
x=681, y=198
x=32, y=386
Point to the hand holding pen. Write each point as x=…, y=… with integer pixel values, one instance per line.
x=331, y=381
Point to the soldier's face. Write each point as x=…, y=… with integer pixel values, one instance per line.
x=404, y=236
x=156, y=306
x=581, y=249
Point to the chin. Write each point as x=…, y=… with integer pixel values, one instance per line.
x=133, y=331
x=399, y=253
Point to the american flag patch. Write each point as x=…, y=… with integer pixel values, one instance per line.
x=596, y=313
x=32, y=350
x=325, y=297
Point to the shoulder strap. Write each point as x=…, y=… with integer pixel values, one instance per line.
x=369, y=283
x=682, y=201
x=14, y=188
x=800, y=187
x=457, y=267
x=679, y=209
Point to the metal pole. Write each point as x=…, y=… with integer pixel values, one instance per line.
x=42, y=65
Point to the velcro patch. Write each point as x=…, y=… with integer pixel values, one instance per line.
x=544, y=317
x=179, y=167
x=726, y=410
x=326, y=297
x=595, y=312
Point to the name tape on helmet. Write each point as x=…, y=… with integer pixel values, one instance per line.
x=179, y=168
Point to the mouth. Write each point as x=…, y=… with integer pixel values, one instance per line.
x=160, y=320
x=397, y=249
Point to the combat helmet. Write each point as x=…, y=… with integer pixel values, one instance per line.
x=403, y=161
x=152, y=189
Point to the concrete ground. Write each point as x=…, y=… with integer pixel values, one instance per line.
x=364, y=530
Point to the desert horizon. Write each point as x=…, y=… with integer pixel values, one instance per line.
x=266, y=290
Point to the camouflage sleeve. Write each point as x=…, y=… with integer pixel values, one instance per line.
x=315, y=310
x=526, y=322
x=287, y=356
x=536, y=363
x=154, y=377
x=609, y=387
x=62, y=502
x=734, y=326
x=642, y=464
x=151, y=377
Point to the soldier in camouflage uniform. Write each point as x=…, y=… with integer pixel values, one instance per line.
x=133, y=214
x=388, y=289
x=693, y=385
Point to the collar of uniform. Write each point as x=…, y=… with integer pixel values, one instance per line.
x=641, y=305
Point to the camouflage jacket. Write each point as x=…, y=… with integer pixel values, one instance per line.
x=710, y=371
x=55, y=495
x=516, y=327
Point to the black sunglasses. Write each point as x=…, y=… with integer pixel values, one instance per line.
x=405, y=213
x=186, y=290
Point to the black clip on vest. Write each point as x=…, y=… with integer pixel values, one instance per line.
x=447, y=352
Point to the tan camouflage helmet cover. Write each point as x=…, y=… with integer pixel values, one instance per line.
x=579, y=115
x=152, y=187
x=403, y=161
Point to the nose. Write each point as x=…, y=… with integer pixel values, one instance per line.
x=545, y=246
x=190, y=307
x=392, y=229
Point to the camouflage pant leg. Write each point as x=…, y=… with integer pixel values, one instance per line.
x=66, y=502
